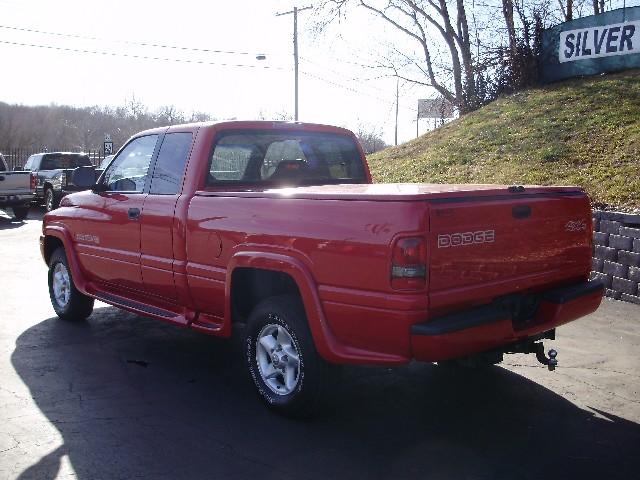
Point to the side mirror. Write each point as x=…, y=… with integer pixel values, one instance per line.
x=84, y=177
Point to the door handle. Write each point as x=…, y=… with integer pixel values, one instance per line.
x=134, y=213
x=1, y=179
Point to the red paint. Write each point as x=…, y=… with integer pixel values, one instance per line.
x=338, y=244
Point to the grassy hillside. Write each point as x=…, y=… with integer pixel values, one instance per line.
x=580, y=132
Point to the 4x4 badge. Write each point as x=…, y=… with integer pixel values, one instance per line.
x=576, y=226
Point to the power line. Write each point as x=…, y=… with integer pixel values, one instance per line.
x=357, y=79
x=128, y=42
x=338, y=74
x=198, y=62
x=142, y=57
x=359, y=92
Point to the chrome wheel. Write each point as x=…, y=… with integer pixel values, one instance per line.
x=48, y=200
x=61, y=283
x=278, y=359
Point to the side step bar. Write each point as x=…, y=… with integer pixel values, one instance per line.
x=137, y=307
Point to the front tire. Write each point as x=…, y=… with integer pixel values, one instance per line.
x=20, y=213
x=67, y=301
x=281, y=357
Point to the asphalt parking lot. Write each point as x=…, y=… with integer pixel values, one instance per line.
x=122, y=396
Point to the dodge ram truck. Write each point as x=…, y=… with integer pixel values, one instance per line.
x=274, y=231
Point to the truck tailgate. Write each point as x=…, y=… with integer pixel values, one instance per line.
x=15, y=183
x=482, y=248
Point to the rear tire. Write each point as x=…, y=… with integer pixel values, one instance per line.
x=20, y=213
x=50, y=202
x=67, y=301
x=281, y=357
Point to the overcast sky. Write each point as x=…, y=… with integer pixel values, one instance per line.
x=334, y=89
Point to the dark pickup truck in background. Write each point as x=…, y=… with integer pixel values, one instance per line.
x=52, y=172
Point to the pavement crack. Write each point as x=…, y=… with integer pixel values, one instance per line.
x=15, y=445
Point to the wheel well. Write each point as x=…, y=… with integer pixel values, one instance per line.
x=47, y=186
x=249, y=286
x=51, y=244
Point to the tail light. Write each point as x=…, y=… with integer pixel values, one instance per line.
x=64, y=179
x=409, y=264
x=32, y=182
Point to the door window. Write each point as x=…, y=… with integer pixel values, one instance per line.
x=167, y=173
x=128, y=172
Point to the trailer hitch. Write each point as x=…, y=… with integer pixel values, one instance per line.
x=551, y=362
x=538, y=348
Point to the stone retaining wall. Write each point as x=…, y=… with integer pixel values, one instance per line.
x=616, y=254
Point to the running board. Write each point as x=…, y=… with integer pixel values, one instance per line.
x=212, y=325
x=205, y=323
x=137, y=307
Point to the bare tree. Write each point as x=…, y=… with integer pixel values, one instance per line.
x=170, y=114
x=507, y=12
x=566, y=6
x=57, y=127
x=431, y=24
x=197, y=116
x=370, y=138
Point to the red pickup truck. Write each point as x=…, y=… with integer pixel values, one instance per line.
x=276, y=228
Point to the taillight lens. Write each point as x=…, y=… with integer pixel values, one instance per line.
x=63, y=179
x=33, y=183
x=409, y=264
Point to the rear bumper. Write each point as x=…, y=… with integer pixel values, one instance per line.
x=491, y=326
x=15, y=200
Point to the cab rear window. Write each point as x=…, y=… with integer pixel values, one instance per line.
x=54, y=162
x=293, y=158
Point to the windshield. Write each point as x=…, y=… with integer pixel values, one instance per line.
x=292, y=158
x=56, y=161
x=106, y=161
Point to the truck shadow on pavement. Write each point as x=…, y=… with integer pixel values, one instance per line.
x=133, y=397
x=7, y=221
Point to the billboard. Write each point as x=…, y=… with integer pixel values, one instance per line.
x=435, y=108
x=608, y=42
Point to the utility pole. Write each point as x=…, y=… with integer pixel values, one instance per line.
x=397, y=102
x=295, y=49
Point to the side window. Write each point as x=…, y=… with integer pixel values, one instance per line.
x=167, y=173
x=128, y=172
